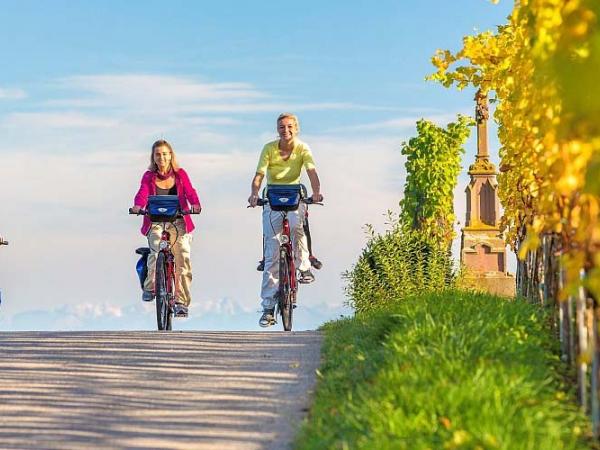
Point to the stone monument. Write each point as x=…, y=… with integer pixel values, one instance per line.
x=483, y=250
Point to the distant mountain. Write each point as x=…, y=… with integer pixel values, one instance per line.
x=214, y=314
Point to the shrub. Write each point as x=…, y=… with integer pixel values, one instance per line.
x=396, y=264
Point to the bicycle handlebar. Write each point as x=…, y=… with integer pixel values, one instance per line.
x=2, y=242
x=144, y=212
x=310, y=201
x=264, y=201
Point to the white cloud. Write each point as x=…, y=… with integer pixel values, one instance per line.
x=163, y=88
x=12, y=94
x=57, y=120
x=145, y=93
x=399, y=123
x=210, y=121
x=128, y=111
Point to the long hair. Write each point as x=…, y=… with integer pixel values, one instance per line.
x=162, y=143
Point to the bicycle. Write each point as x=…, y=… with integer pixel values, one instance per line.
x=163, y=209
x=286, y=198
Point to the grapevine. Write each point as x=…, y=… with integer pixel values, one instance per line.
x=432, y=168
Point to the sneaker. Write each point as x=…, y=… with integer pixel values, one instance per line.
x=261, y=265
x=267, y=319
x=306, y=277
x=180, y=310
x=315, y=262
x=147, y=296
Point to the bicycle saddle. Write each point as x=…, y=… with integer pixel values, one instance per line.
x=143, y=251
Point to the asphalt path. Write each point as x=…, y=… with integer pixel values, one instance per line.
x=151, y=390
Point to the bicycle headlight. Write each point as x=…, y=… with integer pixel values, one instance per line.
x=285, y=239
x=162, y=245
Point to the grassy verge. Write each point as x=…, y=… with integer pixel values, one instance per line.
x=452, y=370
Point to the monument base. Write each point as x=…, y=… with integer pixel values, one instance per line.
x=498, y=283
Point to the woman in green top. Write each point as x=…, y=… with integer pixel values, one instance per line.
x=282, y=161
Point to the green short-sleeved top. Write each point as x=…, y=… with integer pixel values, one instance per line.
x=280, y=171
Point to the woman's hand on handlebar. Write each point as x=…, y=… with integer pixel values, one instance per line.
x=253, y=200
x=316, y=198
x=137, y=210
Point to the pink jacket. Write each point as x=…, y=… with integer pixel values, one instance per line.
x=185, y=191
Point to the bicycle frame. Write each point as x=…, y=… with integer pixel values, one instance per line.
x=286, y=245
x=169, y=259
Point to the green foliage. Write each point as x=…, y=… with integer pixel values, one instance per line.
x=432, y=168
x=414, y=255
x=449, y=370
x=394, y=265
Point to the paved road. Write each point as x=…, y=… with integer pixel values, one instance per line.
x=150, y=390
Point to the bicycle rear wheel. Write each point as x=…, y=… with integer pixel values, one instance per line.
x=163, y=313
x=285, y=290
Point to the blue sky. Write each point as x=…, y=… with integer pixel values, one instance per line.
x=86, y=87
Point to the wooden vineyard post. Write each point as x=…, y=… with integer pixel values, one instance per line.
x=582, y=344
x=595, y=381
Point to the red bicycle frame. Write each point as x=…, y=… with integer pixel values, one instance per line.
x=287, y=244
x=170, y=266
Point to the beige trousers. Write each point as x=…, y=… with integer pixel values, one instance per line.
x=181, y=243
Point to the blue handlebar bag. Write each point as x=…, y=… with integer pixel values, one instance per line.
x=284, y=197
x=163, y=208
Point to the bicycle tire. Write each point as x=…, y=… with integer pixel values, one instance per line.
x=163, y=321
x=286, y=307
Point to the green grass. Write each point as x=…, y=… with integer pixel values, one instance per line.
x=451, y=370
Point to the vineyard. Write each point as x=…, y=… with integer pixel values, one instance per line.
x=425, y=363
x=541, y=69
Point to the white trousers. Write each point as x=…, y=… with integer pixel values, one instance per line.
x=272, y=227
x=181, y=251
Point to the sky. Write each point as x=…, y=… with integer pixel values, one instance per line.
x=86, y=87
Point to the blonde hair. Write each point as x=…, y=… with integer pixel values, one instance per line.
x=287, y=115
x=162, y=143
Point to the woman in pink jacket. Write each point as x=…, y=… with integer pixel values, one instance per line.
x=165, y=177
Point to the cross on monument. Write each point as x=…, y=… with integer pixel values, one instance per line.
x=482, y=115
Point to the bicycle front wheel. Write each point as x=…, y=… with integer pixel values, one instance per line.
x=163, y=313
x=285, y=290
